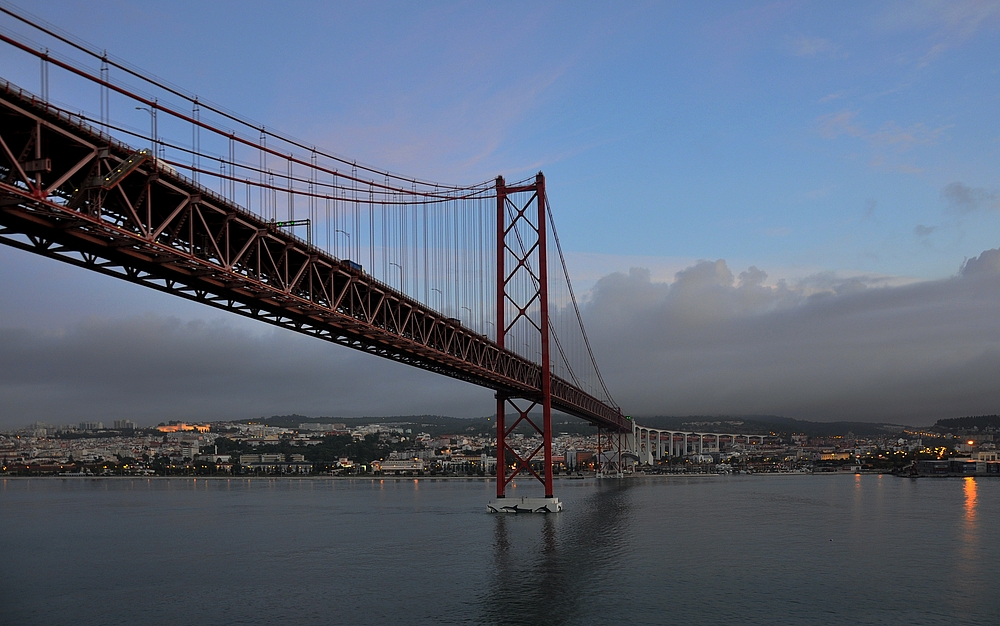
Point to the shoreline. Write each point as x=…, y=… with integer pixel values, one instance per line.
x=473, y=478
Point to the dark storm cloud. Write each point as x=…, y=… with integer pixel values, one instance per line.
x=824, y=348
x=152, y=368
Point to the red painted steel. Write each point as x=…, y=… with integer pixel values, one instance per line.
x=501, y=327
x=542, y=399
x=543, y=289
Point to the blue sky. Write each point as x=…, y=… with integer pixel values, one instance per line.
x=819, y=142
x=795, y=136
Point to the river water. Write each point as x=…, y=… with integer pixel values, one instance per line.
x=766, y=549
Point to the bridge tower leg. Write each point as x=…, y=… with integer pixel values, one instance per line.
x=514, y=258
x=501, y=331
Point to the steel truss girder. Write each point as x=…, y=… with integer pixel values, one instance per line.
x=522, y=463
x=159, y=229
x=611, y=449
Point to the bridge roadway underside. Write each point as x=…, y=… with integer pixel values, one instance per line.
x=71, y=193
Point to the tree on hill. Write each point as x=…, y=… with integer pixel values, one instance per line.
x=979, y=422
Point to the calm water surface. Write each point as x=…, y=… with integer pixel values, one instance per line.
x=719, y=550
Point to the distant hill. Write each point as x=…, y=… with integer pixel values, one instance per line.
x=431, y=424
x=293, y=420
x=762, y=424
x=562, y=424
x=977, y=422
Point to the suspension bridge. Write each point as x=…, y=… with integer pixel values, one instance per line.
x=467, y=281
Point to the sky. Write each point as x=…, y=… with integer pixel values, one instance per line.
x=768, y=207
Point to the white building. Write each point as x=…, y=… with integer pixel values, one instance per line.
x=397, y=466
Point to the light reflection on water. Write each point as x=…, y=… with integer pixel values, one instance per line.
x=745, y=550
x=969, y=554
x=970, y=501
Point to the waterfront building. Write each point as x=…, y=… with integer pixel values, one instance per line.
x=399, y=466
x=570, y=455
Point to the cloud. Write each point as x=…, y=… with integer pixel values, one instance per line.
x=956, y=19
x=836, y=124
x=462, y=136
x=963, y=199
x=890, y=134
x=947, y=23
x=886, y=144
x=713, y=340
x=823, y=348
x=586, y=268
x=923, y=231
x=987, y=263
x=810, y=47
x=831, y=97
x=152, y=368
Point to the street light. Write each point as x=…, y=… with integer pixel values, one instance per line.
x=152, y=127
x=348, y=235
x=440, y=293
x=400, y=274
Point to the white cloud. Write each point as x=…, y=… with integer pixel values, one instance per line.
x=811, y=46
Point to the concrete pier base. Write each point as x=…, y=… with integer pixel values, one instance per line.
x=524, y=505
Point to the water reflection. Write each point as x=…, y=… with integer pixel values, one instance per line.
x=970, y=501
x=968, y=579
x=859, y=508
x=970, y=527
x=545, y=565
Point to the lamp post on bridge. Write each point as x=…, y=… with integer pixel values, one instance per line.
x=152, y=127
x=392, y=264
x=470, y=314
x=348, y=235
